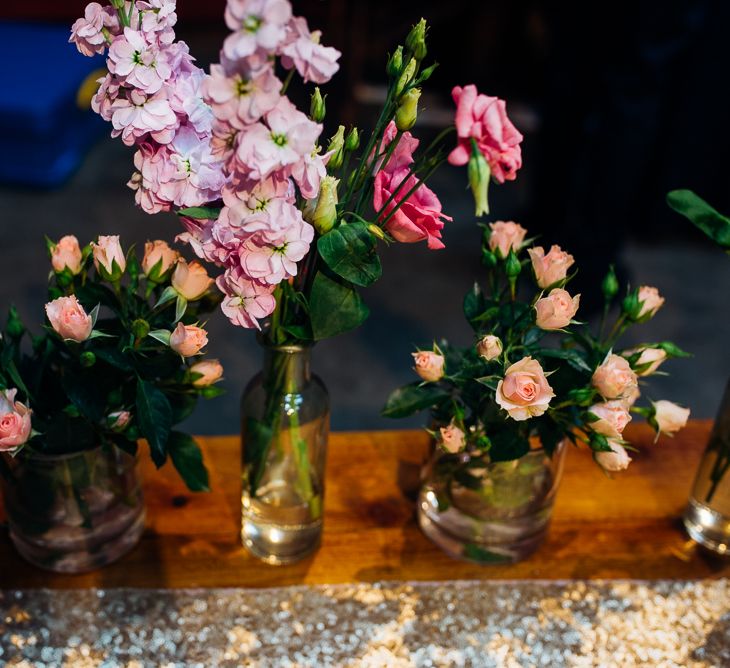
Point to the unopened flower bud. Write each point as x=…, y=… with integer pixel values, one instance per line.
x=631, y=306
x=407, y=111
x=317, y=107
x=610, y=285
x=406, y=77
x=140, y=328
x=352, y=141
x=479, y=177
x=416, y=40
x=87, y=359
x=489, y=259
x=376, y=231
x=336, y=148
x=324, y=215
x=512, y=266
x=426, y=73
x=395, y=63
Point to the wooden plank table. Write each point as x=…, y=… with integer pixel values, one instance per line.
x=626, y=527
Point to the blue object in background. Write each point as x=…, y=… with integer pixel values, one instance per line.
x=43, y=131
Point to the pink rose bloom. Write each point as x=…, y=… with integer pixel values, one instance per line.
x=302, y=50
x=107, y=252
x=551, y=268
x=86, y=32
x=651, y=301
x=242, y=98
x=158, y=252
x=524, y=391
x=68, y=319
x=191, y=280
x=613, y=416
x=485, y=120
x=429, y=365
x=186, y=99
x=654, y=357
x=556, y=310
x=211, y=371
x=506, y=236
x=614, y=379
x=419, y=218
x=616, y=460
x=669, y=417
x=66, y=254
x=453, y=439
x=259, y=27
x=135, y=116
x=246, y=301
x=188, y=340
x=118, y=420
x=631, y=397
x=15, y=423
x=138, y=62
x=489, y=347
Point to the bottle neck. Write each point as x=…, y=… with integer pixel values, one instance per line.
x=287, y=367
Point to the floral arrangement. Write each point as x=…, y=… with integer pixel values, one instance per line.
x=119, y=358
x=534, y=370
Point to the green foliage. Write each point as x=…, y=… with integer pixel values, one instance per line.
x=188, y=460
x=413, y=398
x=700, y=213
x=334, y=306
x=200, y=212
x=350, y=250
x=155, y=419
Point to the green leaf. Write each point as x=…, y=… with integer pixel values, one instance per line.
x=479, y=554
x=82, y=390
x=188, y=460
x=411, y=399
x=335, y=307
x=161, y=335
x=350, y=250
x=167, y=295
x=572, y=357
x=711, y=222
x=181, y=306
x=508, y=445
x=14, y=375
x=475, y=304
x=154, y=414
x=200, y=212
x=114, y=357
x=183, y=406
x=257, y=436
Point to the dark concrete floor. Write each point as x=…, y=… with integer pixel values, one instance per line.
x=418, y=299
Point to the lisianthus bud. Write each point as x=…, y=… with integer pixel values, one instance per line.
x=395, y=63
x=610, y=285
x=426, y=73
x=407, y=112
x=317, y=107
x=479, y=176
x=377, y=231
x=489, y=347
x=336, y=148
x=416, y=40
x=324, y=216
x=352, y=141
x=406, y=77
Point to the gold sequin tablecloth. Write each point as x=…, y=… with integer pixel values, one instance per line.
x=521, y=623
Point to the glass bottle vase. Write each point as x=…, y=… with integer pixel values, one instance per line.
x=707, y=516
x=75, y=512
x=284, y=426
x=491, y=513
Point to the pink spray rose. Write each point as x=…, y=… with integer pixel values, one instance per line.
x=524, y=392
x=66, y=254
x=616, y=460
x=614, y=379
x=489, y=347
x=188, y=340
x=556, y=310
x=107, y=253
x=651, y=301
x=653, y=357
x=155, y=252
x=485, y=120
x=68, y=319
x=506, y=236
x=613, y=416
x=302, y=50
x=551, y=268
x=452, y=438
x=669, y=417
x=210, y=372
x=191, y=280
x=15, y=423
x=429, y=365
x=118, y=420
x=246, y=301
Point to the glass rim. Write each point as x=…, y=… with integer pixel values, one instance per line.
x=29, y=453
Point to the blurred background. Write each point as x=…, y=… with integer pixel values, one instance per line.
x=618, y=102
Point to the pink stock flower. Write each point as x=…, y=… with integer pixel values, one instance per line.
x=485, y=120
x=136, y=115
x=138, y=62
x=15, y=423
x=246, y=301
x=418, y=218
x=258, y=205
x=103, y=101
x=158, y=16
x=224, y=140
x=186, y=99
x=259, y=27
x=151, y=165
x=302, y=50
x=202, y=237
x=68, y=319
x=309, y=172
x=242, y=98
x=87, y=33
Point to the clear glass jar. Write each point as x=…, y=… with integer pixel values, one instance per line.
x=707, y=517
x=73, y=513
x=284, y=426
x=498, y=513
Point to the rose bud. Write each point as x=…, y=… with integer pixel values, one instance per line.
x=651, y=301
x=407, y=111
x=68, y=319
x=109, y=258
x=158, y=252
x=15, y=423
x=551, y=268
x=66, y=254
x=489, y=347
x=556, y=310
x=613, y=416
x=119, y=420
x=614, y=379
x=616, y=460
x=188, y=340
x=210, y=372
x=669, y=417
x=190, y=280
x=452, y=438
x=429, y=365
x=524, y=391
x=653, y=357
x=506, y=236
